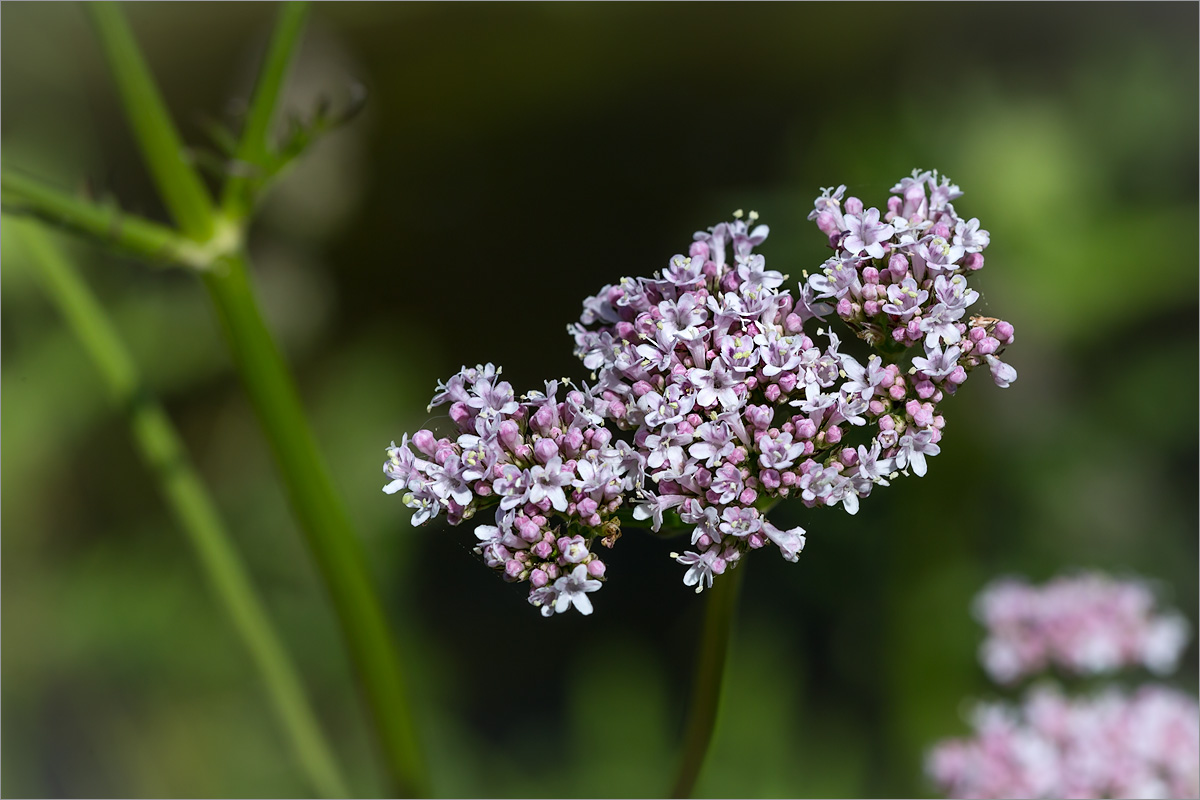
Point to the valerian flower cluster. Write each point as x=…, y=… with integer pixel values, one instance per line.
x=1106, y=743
x=1085, y=624
x=716, y=393
x=1113, y=744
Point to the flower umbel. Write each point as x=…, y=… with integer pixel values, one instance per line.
x=1085, y=624
x=710, y=401
x=544, y=466
x=1106, y=743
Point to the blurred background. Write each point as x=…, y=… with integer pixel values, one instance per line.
x=512, y=159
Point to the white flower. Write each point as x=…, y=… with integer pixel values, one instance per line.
x=572, y=590
x=701, y=567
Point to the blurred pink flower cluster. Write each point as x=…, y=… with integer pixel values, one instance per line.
x=1109, y=743
x=1085, y=624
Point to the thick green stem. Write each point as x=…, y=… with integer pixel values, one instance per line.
x=156, y=243
x=193, y=508
x=238, y=196
x=707, y=688
x=330, y=536
x=182, y=190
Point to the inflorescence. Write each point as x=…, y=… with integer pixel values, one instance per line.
x=1106, y=742
x=1085, y=624
x=710, y=402
x=1110, y=744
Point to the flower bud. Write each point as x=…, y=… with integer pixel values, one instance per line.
x=444, y=450
x=544, y=450
x=425, y=442
x=572, y=441
x=827, y=224
x=760, y=416
x=509, y=435
x=460, y=413
x=573, y=549
x=544, y=418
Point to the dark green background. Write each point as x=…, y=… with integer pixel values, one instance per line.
x=512, y=159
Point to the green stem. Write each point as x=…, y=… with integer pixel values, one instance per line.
x=327, y=529
x=707, y=688
x=108, y=224
x=326, y=526
x=193, y=508
x=182, y=190
x=238, y=195
x=330, y=537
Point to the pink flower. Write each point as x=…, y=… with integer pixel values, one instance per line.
x=866, y=233
x=1086, y=624
x=1109, y=745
